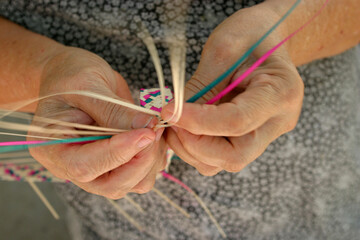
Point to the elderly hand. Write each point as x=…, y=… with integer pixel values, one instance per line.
x=267, y=104
x=127, y=162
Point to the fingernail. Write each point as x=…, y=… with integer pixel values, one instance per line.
x=159, y=133
x=142, y=121
x=144, y=142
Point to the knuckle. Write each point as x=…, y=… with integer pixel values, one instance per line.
x=124, y=187
x=208, y=172
x=142, y=190
x=293, y=93
x=275, y=91
x=113, y=192
x=293, y=97
x=234, y=164
x=115, y=195
x=222, y=46
x=234, y=168
x=91, y=189
x=144, y=187
x=290, y=126
x=271, y=88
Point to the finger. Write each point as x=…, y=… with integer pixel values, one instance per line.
x=231, y=154
x=107, y=114
x=246, y=112
x=85, y=162
x=118, y=182
x=178, y=147
x=148, y=182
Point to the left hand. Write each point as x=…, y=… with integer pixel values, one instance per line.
x=128, y=161
x=267, y=104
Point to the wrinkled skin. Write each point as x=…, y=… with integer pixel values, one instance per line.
x=111, y=167
x=231, y=134
x=226, y=136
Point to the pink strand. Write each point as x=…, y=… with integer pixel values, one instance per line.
x=174, y=179
x=262, y=59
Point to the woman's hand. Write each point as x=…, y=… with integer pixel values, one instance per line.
x=127, y=162
x=267, y=104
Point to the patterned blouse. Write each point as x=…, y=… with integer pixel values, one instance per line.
x=305, y=186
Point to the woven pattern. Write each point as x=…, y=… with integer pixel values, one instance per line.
x=24, y=172
x=151, y=98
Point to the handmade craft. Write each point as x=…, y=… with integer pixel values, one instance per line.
x=14, y=167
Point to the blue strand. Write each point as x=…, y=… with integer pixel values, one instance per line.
x=242, y=58
x=4, y=149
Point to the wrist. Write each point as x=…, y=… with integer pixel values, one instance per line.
x=23, y=57
x=295, y=45
x=276, y=10
x=260, y=19
x=334, y=30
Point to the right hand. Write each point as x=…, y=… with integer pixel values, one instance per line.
x=127, y=162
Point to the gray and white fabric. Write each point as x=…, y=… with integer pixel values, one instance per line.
x=305, y=186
